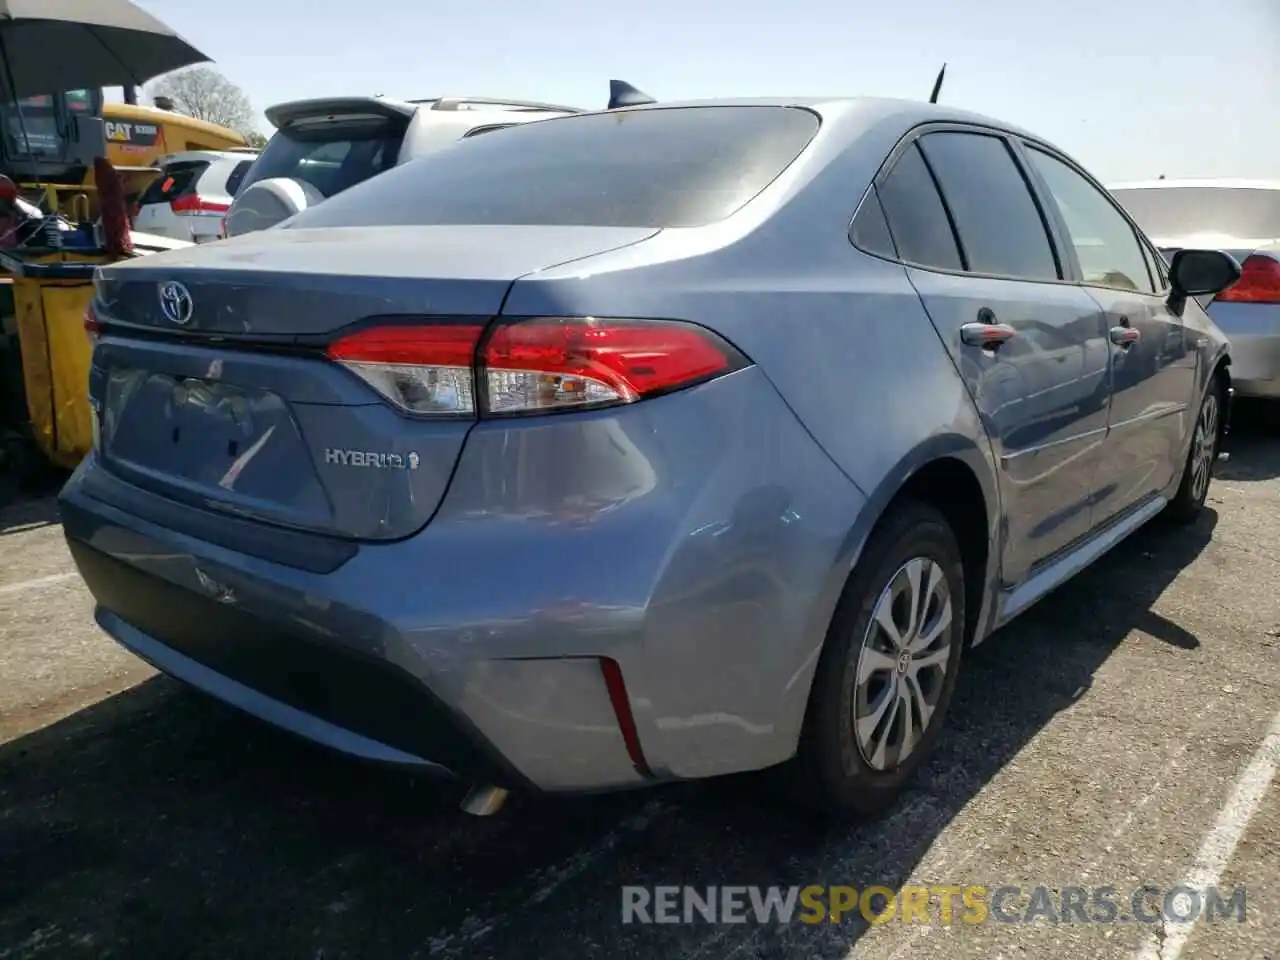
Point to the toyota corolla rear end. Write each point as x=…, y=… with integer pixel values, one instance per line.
x=336, y=484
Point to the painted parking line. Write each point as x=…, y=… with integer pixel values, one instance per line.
x=1220, y=843
x=36, y=583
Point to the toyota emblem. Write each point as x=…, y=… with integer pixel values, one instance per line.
x=175, y=302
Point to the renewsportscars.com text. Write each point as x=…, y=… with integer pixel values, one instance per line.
x=942, y=904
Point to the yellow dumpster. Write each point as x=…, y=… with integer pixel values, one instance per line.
x=50, y=293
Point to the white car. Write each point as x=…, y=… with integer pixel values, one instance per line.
x=192, y=194
x=1241, y=217
x=322, y=147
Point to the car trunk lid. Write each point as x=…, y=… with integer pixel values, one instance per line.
x=219, y=394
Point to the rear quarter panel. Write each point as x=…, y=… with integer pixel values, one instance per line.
x=841, y=336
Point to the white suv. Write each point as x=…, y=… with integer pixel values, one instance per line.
x=322, y=147
x=192, y=194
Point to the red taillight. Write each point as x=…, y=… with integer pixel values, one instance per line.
x=1259, y=282
x=193, y=203
x=422, y=369
x=531, y=366
x=546, y=364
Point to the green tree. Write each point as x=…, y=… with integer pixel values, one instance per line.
x=205, y=94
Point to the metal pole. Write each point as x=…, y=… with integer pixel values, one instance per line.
x=17, y=103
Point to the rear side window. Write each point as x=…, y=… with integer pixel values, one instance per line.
x=236, y=176
x=916, y=216
x=1105, y=243
x=175, y=180
x=870, y=230
x=664, y=167
x=1000, y=227
x=332, y=157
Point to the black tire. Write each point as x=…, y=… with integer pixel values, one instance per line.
x=1188, y=503
x=835, y=776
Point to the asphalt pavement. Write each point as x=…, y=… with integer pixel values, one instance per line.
x=1123, y=734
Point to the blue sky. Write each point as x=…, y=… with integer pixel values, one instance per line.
x=1132, y=88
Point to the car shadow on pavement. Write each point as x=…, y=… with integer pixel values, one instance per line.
x=27, y=514
x=1254, y=443
x=157, y=823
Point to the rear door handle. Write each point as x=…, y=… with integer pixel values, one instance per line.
x=1124, y=337
x=989, y=336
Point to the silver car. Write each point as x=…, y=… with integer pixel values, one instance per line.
x=1243, y=218
x=644, y=445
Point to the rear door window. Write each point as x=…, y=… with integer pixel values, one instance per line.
x=175, y=180
x=916, y=216
x=332, y=157
x=1001, y=230
x=663, y=167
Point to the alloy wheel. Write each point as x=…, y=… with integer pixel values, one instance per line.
x=902, y=663
x=1204, y=447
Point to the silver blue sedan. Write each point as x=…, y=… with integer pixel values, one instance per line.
x=643, y=445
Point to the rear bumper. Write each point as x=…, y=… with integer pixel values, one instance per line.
x=1254, y=332
x=330, y=693
x=699, y=560
x=337, y=673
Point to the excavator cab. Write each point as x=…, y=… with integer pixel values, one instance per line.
x=48, y=143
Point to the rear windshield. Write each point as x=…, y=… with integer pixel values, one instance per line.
x=175, y=180
x=332, y=157
x=670, y=167
x=1243, y=212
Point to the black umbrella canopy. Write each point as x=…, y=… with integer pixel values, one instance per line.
x=47, y=46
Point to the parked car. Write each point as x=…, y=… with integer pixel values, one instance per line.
x=192, y=193
x=322, y=147
x=1243, y=218
x=642, y=445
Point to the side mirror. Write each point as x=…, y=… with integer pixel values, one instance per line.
x=1197, y=273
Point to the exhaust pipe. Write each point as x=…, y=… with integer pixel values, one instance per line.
x=484, y=801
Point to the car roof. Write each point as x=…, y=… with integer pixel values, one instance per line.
x=849, y=119
x=907, y=113
x=1217, y=183
x=910, y=112
x=887, y=105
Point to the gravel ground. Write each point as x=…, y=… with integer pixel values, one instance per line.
x=1117, y=735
